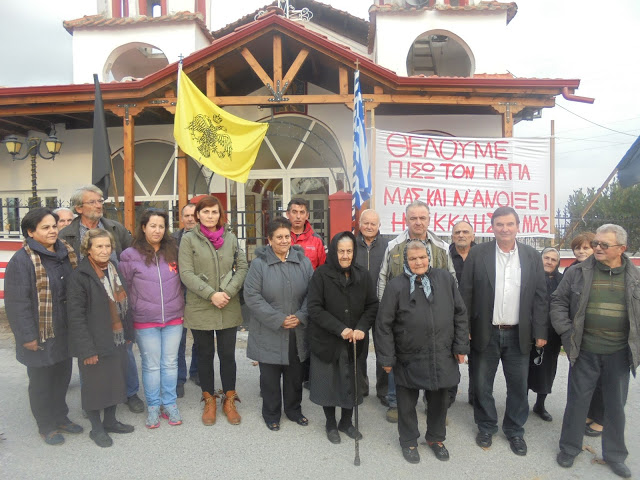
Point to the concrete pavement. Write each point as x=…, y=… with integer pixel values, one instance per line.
x=251, y=451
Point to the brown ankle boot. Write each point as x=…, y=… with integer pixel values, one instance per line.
x=229, y=407
x=209, y=411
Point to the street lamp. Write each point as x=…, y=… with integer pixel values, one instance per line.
x=34, y=144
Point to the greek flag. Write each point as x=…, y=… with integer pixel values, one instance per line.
x=361, y=165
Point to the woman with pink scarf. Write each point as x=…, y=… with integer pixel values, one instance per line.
x=213, y=268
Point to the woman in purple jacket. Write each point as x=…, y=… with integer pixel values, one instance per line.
x=150, y=269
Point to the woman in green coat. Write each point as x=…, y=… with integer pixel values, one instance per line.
x=213, y=269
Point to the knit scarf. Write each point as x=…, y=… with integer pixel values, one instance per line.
x=214, y=237
x=43, y=289
x=118, y=303
x=413, y=278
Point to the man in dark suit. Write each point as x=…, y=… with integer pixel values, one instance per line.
x=505, y=292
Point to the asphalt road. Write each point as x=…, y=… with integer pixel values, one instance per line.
x=251, y=451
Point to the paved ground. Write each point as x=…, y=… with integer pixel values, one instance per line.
x=251, y=451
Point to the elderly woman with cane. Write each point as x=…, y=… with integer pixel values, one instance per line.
x=342, y=306
x=423, y=333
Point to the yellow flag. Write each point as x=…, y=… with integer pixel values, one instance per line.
x=222, y=142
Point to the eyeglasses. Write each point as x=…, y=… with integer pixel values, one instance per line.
x=93, y=203
x=538, y=360
x=603, y=245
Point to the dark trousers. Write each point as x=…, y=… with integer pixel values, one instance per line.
x=206, y=349
x=453, y=391
x=504, y=345
x=47, y=394
x=291, y=393
x=382, y=377
x=182, y=362
x=596, y=409
x=613, y=371
x=437, y=403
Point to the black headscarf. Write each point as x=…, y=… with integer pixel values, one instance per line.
x=332, y=255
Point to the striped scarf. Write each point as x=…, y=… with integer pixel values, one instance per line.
x=45, y=300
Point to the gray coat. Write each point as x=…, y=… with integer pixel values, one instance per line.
x=569, y=303
x=370, y=257
x=21, y=303
x=273, y=290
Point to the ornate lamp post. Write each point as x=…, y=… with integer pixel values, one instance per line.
x=34, y=149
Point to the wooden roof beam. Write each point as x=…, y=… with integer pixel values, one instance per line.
x=256, y=67
x=293, y=70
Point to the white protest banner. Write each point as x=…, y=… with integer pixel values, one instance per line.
x=463, y=179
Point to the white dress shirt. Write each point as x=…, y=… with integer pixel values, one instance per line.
x=506, y=304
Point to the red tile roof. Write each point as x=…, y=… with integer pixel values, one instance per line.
x=140, y=88
x=101, y=21
x=511, y=8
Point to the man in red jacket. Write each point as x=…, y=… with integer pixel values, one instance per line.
x=302, y=234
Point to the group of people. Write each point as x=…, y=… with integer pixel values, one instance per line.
x=93, y=290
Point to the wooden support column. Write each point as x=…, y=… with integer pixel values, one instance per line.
x=211, y=82
x=183, y=178
x=508, y=110
x=507, y=125
x=129, y=173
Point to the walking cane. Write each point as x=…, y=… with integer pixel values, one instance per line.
x=356, y=460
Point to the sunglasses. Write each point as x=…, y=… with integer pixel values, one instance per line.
x=603, y=245
x=538, y=360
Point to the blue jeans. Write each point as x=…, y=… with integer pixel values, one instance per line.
x=391, y=390
x=504, y=345
x=182, y=363
x=159, y=352
x=133, y=384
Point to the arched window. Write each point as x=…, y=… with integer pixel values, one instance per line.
x=442, y=53
x=135, y=60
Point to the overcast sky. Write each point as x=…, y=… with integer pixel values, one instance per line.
x=594, y=41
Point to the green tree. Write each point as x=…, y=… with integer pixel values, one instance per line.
x=615, y=205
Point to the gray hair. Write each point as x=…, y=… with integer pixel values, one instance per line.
x=63, y=209
x=76, y=198
x=415, y=244
x=617, y=230
x=417, y=203
x=369, y=210
x=551, y=249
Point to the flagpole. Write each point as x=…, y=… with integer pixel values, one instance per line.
x=175, y=152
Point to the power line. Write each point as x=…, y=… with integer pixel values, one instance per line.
x=594, y=123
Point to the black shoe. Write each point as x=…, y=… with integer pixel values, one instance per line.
x=470, y=400
x=273, y=426
x=52, y=438
x=565, y=460
x=102, y=439
x=518, y=446
x=305, y=384
x=195, y=379
x=483, y=440
x=383, y=400
x=302, y=421
x=69, y=427
x=351, y=431
x=620, y=469
x=411, y=454
x=333, y=435
x=119, y=428
x=440, y=450
x=180, y=390
x=135, y=404
x=590, y=432
x=542, y=413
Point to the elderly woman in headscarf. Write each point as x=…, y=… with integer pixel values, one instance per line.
x=422, y=332
x=342, y=305
x=544, y=361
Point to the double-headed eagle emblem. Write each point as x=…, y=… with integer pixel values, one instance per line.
x=211, y=137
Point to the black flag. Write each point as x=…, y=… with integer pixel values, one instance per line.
x=101, y=165
x=629, y=166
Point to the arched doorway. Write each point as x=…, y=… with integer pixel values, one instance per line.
x=155, y=179
x=442, y=53
x=299, y=157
